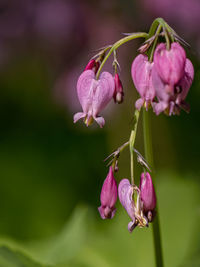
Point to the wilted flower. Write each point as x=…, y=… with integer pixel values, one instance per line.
x=118, y=93
x=93, y=96
x=125, y=192
x=170, y=64
x=108, y=196
x=141, y=74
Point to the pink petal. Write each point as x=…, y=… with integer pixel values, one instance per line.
x=86, y=86
x=170, y=64
x=187, y=79
x=78, y=116
x=125, y=192
x=104, y=92
x=100, y=121
x=139, y=103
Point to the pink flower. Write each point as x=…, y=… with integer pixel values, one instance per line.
x=148, y=196
x=174, y=99
x=125, y=192
x=108, y=196
x=94, y=95
x=141, y=74
x=170, y=64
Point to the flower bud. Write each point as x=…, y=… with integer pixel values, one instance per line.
x=94, y=95
x=118, y=94
x=92, y=65
x=125, y=192
x=148, y=196
x=108, y=196
x=141, y=74
x=170, y=64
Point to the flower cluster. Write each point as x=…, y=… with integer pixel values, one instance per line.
x=165, y=82
x=139, y=202
x=162, y=75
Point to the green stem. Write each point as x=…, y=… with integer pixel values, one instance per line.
x=166, y=29
x=149, y=158
x=132, y=142
x=118, y=44
x=155, y=43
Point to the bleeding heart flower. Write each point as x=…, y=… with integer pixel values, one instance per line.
x=170, y=64
x=94, y=95
x=148, y=196
x=141, y=74
x=108, y=196
x=172, y=100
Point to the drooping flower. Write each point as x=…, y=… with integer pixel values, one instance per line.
x=108, y=196
x=185, y=84
x=125, y=192
x=94, y=95
x=118, y=93
x=147, y=194
x=141, y=74
x=170, y=64
x=171, y=101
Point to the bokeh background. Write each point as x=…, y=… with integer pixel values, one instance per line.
x=51, y=171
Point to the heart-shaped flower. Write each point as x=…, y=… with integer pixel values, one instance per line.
x=175, y=99
x=141, y=74
x=94, y=95
x=170, y=64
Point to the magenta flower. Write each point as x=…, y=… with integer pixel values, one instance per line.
x=125, y=192
x=170, y=64
x=174, y=100
x=141, y=74
x=118, y=94
x=108, y=196
x=147, y=192
x=94, y=95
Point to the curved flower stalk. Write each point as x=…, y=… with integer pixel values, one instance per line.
x=162, y=75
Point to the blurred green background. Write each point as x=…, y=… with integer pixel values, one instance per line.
x=51, y=171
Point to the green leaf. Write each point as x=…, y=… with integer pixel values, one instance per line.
x=11, y=258
x=63, y=248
